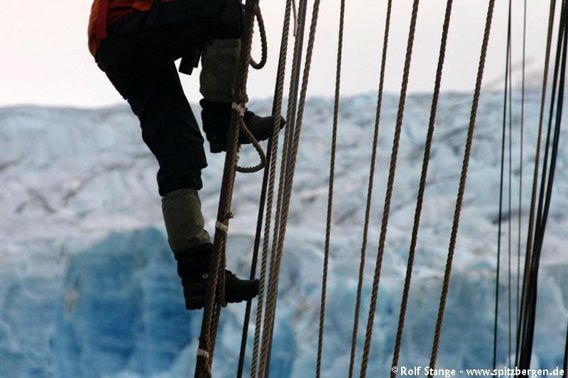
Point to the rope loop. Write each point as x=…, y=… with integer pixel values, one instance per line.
x=263, y=40
x=240, y=109
x=257, y=147
x=244, y=129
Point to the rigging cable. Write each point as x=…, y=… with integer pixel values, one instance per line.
x=547, y=182
x=270, y=195
x=462, y=184
x=331, y=186
x=422, y=187
x=286, y=196
x=370, y=190
x=531, y=216
x=501, y=186
x=263, y=322
x=268, y=173
x=510, y=207
x=521, y=157
x=215, y=289
x=390, y=188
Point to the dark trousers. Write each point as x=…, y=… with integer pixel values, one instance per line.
x=138, y=57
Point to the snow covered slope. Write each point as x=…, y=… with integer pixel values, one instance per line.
x=88, y=286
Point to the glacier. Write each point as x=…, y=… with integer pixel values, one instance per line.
x=88, y=285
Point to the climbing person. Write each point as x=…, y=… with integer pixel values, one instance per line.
x=135, y=43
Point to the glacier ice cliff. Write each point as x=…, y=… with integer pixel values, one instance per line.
x=88, y=285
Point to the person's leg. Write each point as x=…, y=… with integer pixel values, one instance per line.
x=170, y=131
x=152, y=88
x=219, y=70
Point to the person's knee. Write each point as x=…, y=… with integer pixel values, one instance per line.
x=178, y=146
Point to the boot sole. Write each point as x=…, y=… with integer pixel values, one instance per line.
x=198, y=302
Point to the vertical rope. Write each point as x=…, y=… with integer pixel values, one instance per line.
x=547, y=181
x=271, y=180
x=290, y=170
x=506, y=103
x=521, y=157
x=212, y=310
x=529, y=316
x=267, y=177
x=462, y=184
x=531, y=216
x=390, y=188
x=510, y=185
x=370, y=189
x=331, y=187
x=262, y=348
x=421, y=187
x=286, y=194
x=254, y=263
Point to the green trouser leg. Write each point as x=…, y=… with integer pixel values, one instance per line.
x=184, y=221
x=220, y=62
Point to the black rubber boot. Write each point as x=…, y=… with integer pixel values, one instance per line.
x=193, y=269
x=216, y=117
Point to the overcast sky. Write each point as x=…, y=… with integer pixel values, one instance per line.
x=45, y=60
